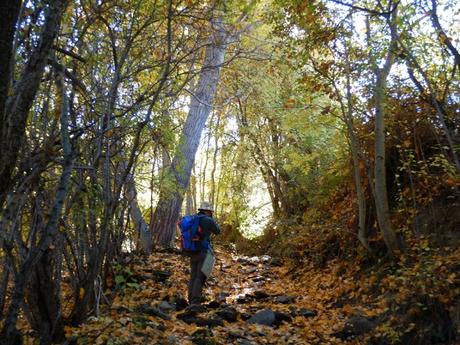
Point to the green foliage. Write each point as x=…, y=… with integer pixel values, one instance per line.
x=124, y=277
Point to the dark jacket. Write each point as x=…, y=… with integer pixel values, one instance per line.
x=209, y=226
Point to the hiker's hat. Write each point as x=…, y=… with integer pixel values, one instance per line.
x=206, y=206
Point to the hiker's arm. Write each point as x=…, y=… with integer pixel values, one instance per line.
x=211, y=225
x=215, y=228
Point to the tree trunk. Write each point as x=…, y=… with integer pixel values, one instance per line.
x=35, y=254
x=354, y=148
x=5, y=278
x=16, y=108
x=43, y=299
x=212, y=194
x=170, y=201
x=10, y=11
x=381, y=198
x=142, y=228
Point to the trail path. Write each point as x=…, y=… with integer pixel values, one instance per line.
x=250, y=300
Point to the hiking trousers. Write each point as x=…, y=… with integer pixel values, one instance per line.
x=197, y=278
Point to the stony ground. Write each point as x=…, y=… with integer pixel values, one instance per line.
x=249, y=300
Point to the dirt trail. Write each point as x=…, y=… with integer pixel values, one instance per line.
x=250, y=300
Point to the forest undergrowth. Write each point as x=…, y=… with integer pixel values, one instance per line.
x=300, y=300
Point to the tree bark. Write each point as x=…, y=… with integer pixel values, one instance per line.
x=142, y=228
x=15, y=112
x=381, y=193
x=212, y=195
x=442, y=35
x=36, y=254
x=170, y=201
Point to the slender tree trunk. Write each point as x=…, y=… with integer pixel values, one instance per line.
x=170, y=201
x=5, y=278
x=10, y=11
x=43, y=300
x=49, y=232
x=433, y=100
x=381, y=193
x=16, y=107
x=212, y=196
x=442, y=34
x=354, y=148
x=142, y=228
x=203, y=170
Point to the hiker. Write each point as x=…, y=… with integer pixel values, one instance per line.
x=197, y=278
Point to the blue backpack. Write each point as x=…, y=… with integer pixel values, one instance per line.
x=192, y=236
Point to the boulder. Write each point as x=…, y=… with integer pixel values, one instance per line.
x=242, y=300
x=303, y=312
x=161, y=276
x=264, y=317
x=213, y=304
x=209, y=322
x=229, y=314
x=146, y=309
x=355, y=326
x=281, y=317
x=259, y=295
x=284, y=299
x=276, y=262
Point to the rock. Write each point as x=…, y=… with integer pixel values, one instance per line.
x=228, y=314
x=281, y=317
x=250, y=270
x=254, y=260
x=213, y=304
x=263, y=317
x=265, y=258
x=160, y=276
x=305, y=313
x=258, y=279
x=186, y=317
x=284, y=299
x=242, y=300
x=354, y=326
x=146, y=309
x=165, y=306
x=259, y=294
x=276, y=262
x=243, y=260
x=211, y=322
